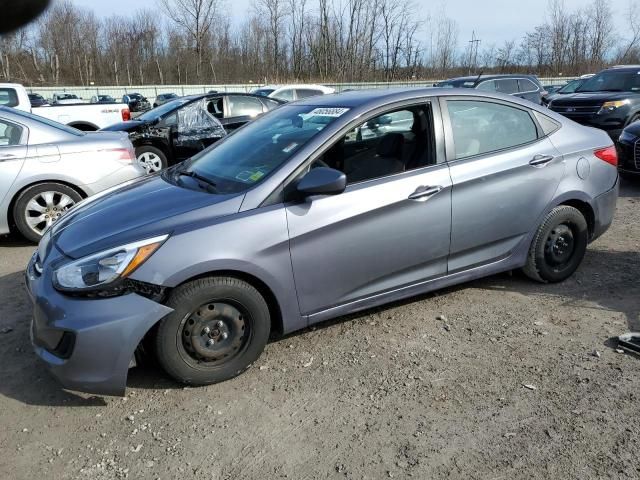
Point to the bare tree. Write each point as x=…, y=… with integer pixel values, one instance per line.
x=195, y=18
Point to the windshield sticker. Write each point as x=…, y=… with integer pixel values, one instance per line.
x=256, y=176
x=289, y=147
x=244, y=176
x=329, y=112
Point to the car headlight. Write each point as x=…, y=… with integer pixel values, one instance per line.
x=103, y=268
x=608, y=107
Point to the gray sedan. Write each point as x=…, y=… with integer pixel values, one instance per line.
x=318, y=209
x=47, y=167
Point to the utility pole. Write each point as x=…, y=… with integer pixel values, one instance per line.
x=473, y=51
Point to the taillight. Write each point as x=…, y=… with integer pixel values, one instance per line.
x=609, y=155
x=123, y=155
x=126, y=115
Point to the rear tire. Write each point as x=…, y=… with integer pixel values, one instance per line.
x=41, y=205
x=558, y=246
x=152, y=159
x=219, y=327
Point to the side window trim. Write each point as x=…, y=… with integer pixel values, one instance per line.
x=450, y=152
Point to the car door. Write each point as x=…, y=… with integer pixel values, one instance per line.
x=13, y=151
x=240, y=109
x=504, y=172
x=387, y=230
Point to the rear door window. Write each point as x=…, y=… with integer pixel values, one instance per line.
x=8, y=97
x=244, y=106
x=481, y=127
x=488, y=86
x=10, y=133
x=508, y=86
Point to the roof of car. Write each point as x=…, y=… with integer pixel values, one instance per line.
x=356, y=98
x=492, y=76
x=371, y=98
x=624, y=68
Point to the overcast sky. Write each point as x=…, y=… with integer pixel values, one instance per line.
x=494, y=21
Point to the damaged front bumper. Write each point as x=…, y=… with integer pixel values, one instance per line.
x=88, y=343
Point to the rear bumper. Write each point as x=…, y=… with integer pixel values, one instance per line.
x=87, y=344
x=605, y=209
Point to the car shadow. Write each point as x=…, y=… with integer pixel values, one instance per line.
x=13, y=240
x=630, y=187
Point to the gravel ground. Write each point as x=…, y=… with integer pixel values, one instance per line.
x=496, y=379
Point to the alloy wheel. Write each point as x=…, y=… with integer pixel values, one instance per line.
x=150, y=162
x=45, y=208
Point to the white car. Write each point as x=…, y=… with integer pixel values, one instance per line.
x=84, y=116
x=290, y=93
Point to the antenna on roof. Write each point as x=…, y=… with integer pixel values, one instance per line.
x=475, y=84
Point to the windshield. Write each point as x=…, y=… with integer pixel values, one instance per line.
x=159, y=111
x=612, y=81
x=571, y=86
x=253, y=152
x=51, y=123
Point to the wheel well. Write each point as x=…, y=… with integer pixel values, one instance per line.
x=587, y=213
x=274, y=308
x=85, y=127
x=19, y=192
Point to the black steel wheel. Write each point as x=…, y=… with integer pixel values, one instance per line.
x=219, y=327
x=558, y=246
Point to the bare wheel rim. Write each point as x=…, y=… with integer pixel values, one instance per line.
x=214, y=334
x=150, y=162
x=45, y=208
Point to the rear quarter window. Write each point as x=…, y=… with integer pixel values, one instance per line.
x=548, y=125
x=527, y=85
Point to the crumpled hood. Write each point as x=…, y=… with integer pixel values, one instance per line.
x=589, y=98
x=143, y=209
x=127, y=126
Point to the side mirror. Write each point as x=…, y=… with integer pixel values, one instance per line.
x=322, y=181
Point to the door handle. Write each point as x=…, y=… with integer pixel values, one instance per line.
x=7, y=156
x=541, y=160
x=423, y=192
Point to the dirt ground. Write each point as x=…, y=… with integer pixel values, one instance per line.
x=496, y=379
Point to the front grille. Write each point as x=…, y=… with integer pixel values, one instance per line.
x=577, y=110
x=636, y=154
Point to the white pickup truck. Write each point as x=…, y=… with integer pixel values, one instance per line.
x=83, y=116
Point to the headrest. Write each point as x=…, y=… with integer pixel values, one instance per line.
x=391, y=145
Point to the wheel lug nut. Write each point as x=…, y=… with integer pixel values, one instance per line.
x=210, y=342
x=220, y=324
x=207, y=329
x=225, y=335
